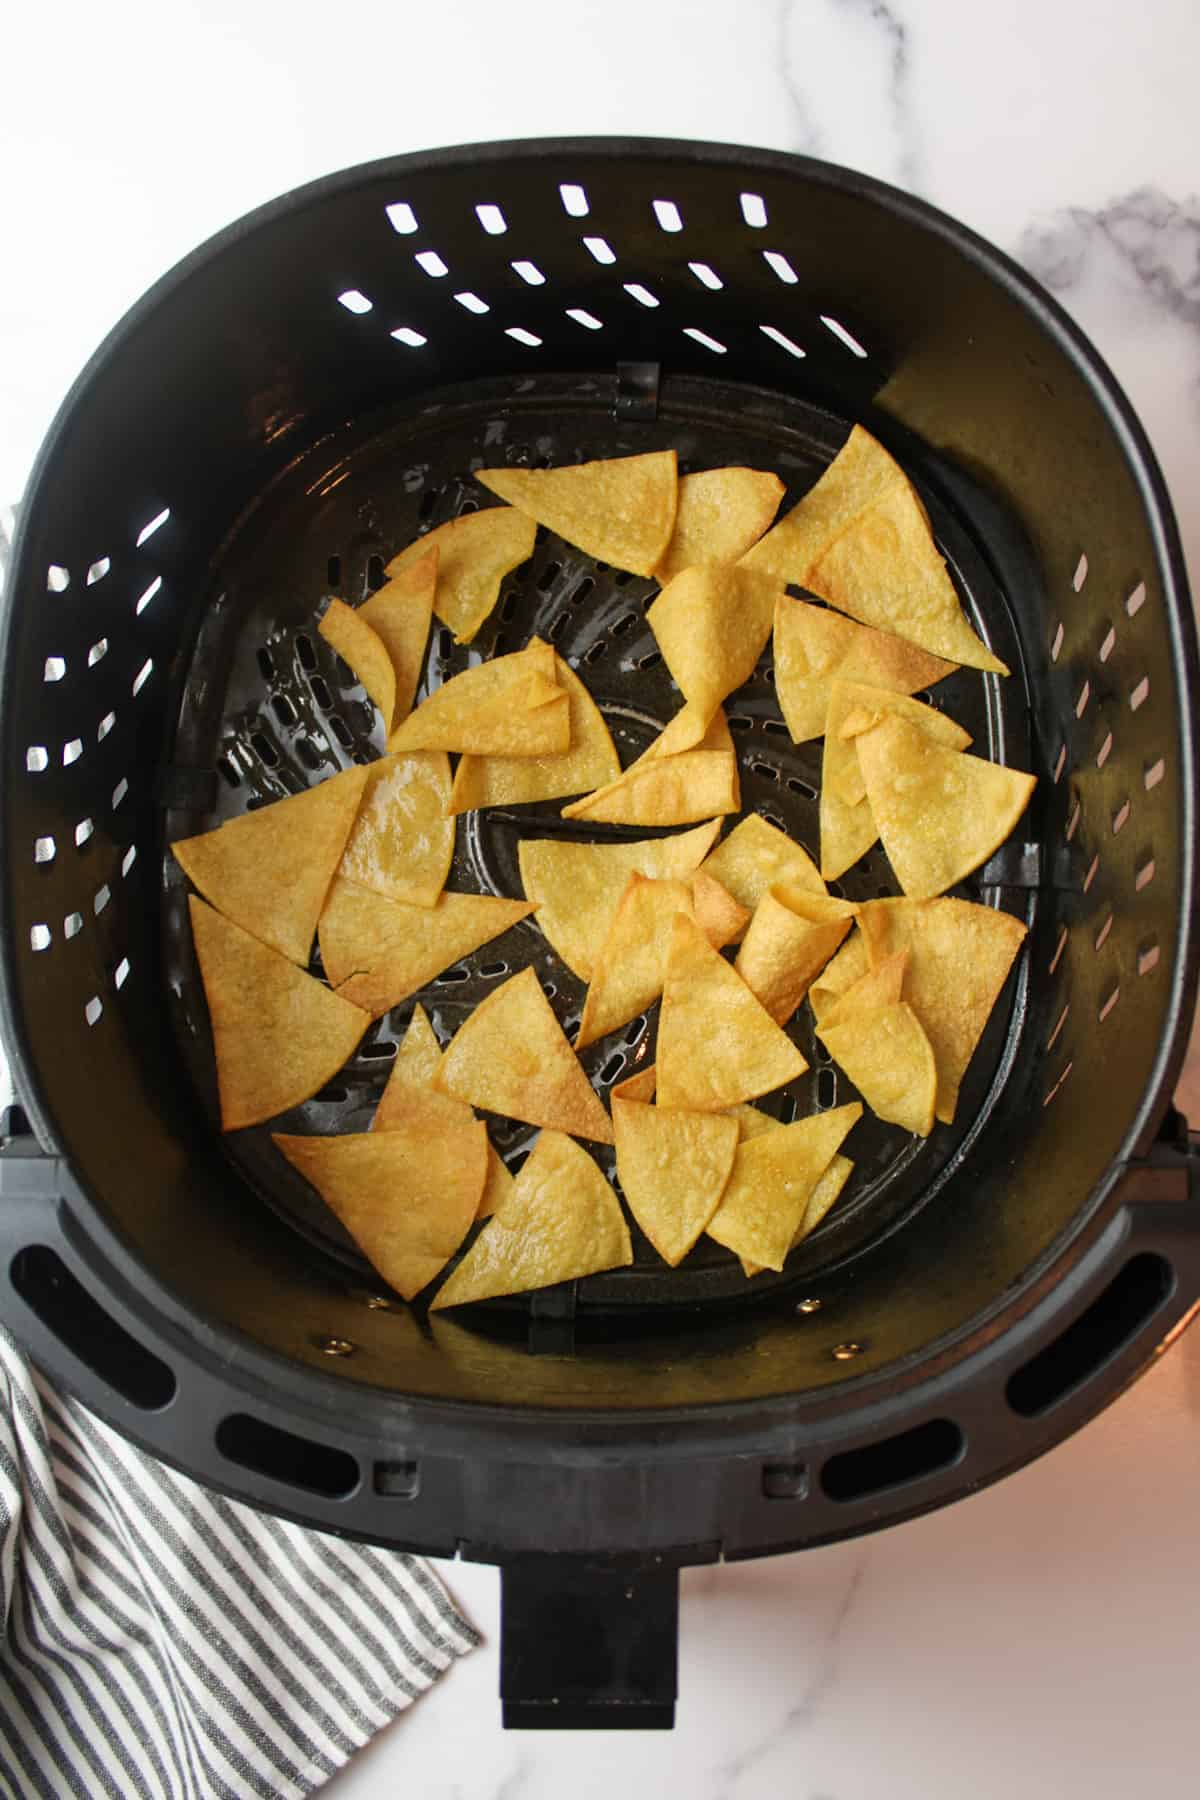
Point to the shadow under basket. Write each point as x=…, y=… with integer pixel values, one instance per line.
x=278, y=417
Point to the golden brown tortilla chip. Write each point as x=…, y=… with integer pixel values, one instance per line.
x=591, y=761
x=475, y=553
x=496, y=1188
x=510, y=706
x=402, y=842
x=751, y=1120
x=756, y=856
x=720, y=917
x=880, y=984
x=269, y=871
x=847, y=967
x=716, y=1044
x=721, y=513
x=377, y=952
x=671, y=790
x=773, y=1178
x=621, y=510
x=347, y=632
x=417, y=1062
x=785, y=948
x=886, y=1054
x=560, y=1221
x=512, y=1057
x=400, y=613
x=278, y=1035
x=638, y=1086
x=711, y=624
x=813, y=647
x=672, y=1167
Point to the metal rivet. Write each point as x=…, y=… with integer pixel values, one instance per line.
x=336, y=1346
x=808, y=1306
x=379, y=1303
x=846, y=1352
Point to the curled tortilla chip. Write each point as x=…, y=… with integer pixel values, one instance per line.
x=785, y=947
x=671, y=790
x=772, y=1181
x=757, y=856
x=377, y=952
x=716, y=1044
x=559, y=1221
x=638, y=1086
x=813, y=647
x=402, y=842
x=621, y=510
x=475, y=553
x=347, y=632
x=512, y=1057
x=721, y=513
x=821, y=1201
x=672, y=1167
x=720, y=917
x=400, y=613
x=510, y=706
x=591, y=760
x=881, y=984
x=886, y=1054
x=407, y=1195
x=711, y=624
x=940, y=812
x=278, y=1035
x=848, y=966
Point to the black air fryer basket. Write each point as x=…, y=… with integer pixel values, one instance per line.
x=269, y=425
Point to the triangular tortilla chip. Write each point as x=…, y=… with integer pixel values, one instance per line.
x=858, y=474
x=879, y=985
x=720, y=917
x=711, y=624
x=638, y=1086
x=475, y=553
x=772, y=1182
x=377, y=952
x=400, y=613
x=886, y=1054
x=621, y=510
x=785, y=948
x=814, y=647
x=270, y=870
x=751, y=1121
x=496, y=1188
x=417, y=1062
x=716, y=1044
x=278, y=1035
x=512, y=1057
x=672, y=1167
x=347, y=632
x=820, y=1202
x=509, y=706
x=757, y=856
x=959, y=958
x=407, y=1195
x=402, y=842
x=847, y=967
x=848, y=826
x=671, y=790
x=591, y=761
x=940, y=813
x=559, y=1222
x=578, y=887
x=721, y=513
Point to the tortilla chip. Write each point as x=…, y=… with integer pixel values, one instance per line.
x=497, y=1186
x=347, y=632
x=407, y=1195
x=417, y=1062
x=751, y=1121
x=377, y=952
x=720, y=917
x=400, y=613
x=402, y=842
x=711, y=624
x=475, y=553
x=785, y=949
x=772, y=1181
x=591, y=761
x=959, y=958
x=813, y=647
x=621, y=510
x=560, y=1221
x=578, y=887
x=757, y=856
x=857, y=475
x=880, y=985
x=278, y=1035
x=671, y=790
x=639, y=1086
x=848, y=826
x=886, y=1054
x=716, y=1044
x=721, y=513
x=940, y=813
x=672, y=1167
x=848, y=966
x=512, y=1057
x=269, y=871
x=820, y=1201
x=510, y=706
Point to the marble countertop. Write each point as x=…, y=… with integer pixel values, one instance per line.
x=1039, y=1637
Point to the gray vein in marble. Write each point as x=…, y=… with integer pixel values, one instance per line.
x=807, y=140
x=904, y=118
x=515, y=1780
x=1156, y=238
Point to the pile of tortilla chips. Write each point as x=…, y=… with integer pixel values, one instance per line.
x=727, y=939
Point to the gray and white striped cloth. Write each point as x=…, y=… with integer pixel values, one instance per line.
x=163, y=1643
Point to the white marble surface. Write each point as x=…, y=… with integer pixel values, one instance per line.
x=1039, y=1638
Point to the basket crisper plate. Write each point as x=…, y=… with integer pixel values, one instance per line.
x=270, y=706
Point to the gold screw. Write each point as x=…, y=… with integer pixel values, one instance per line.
x=336, y=1346
x=809, y=1306
x=846, y=1352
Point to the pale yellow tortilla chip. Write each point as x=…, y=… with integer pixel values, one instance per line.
x=721, y=513
x=711, y=624
x=847, y=823
x=880, y=984
x=278, y=1035
x=886, y=1054
x=716, y=1044
x=475, y=553
x=940, y=813
x=400, y=613
x=858, y=474
x=510, y=706
x=757, y=856
x=671, y=790
x=673, y=1167
x=578, y=887
x=621, y=510
x=496, y=1188
x=402, y=842
x=269, y=871
x=558, y=1222
x=821, y=1201
x=785, y=949
x=591, y=761
x=512, y=1057
x=751, y=1120
x=813, y=647
x=959, y=958
x=377, y=952
x=849, y=965
x=638, y=1086
x=347, y=632
x=772, y=1181
x=407, y=1195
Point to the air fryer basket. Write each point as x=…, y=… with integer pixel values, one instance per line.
x=276, y=418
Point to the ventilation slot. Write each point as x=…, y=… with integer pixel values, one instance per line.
x=909, y=1456
x=284, y=1457
x=64, y=1306
x=1099, y=1334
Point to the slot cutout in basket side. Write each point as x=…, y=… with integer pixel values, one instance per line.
x=908, y=1456
x=283, y=1456
x=1099, y=1333
x=64, y=1306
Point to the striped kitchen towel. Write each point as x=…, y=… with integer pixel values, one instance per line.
x=163, y=1643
